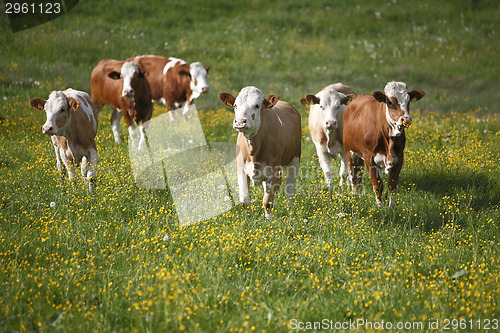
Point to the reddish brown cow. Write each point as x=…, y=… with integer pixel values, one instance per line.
x=269, y=139
x=173, y=82
x=374, y=131
x=124, y=87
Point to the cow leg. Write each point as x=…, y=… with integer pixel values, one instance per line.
x=393, y=182
x=325, y=162
x=343, y=171
x=68, y=164
x=60, y=166
x=130, y=126
x=89, y=172
x=355, y=167
x=142, y=140
x=271, y=188
x=376, y=178
x=291, y=176
x=243, y=187
x=116, y=116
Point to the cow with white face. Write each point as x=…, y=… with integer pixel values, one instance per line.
x=173, y=81
x=326, y=111
x=72, y=124
x=269, y=139
x=124, y=87
x=374, y=132
x=397, y=102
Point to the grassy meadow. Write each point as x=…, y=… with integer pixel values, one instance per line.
x=117, y=261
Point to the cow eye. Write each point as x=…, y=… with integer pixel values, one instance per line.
x=61, y=111
x=256, y=106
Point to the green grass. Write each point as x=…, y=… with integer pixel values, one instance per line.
x=104, y=262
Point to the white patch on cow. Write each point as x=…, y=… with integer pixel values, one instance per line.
x=142, y=140
x=248, y=104
x=83, y=97
x=198, y=83
x=399, y=91
x=115, y=126
x=383, y=162
x=281, y=123
x=172, y=62
x=330, y=106
x=393, y=124
x=56, y=103
x=128, y=70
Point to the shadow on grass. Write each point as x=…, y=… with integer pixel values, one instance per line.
x=481, y=190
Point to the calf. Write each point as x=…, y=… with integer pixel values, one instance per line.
x=326, y=126
x=269, y=139
x=124, y=87
x=174, y=82
x=374, y=131
x=72, y=124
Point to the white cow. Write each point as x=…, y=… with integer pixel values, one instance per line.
x=325, y=123
x=72, y=124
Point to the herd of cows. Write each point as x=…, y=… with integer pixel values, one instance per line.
x=360, y=129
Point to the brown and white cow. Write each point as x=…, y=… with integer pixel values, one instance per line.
x=269, y=139
x=173, y=82
x=326, y=111
x=124, y=87
x=72, y=124
x=374, y=131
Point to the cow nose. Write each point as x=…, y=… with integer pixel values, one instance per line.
x=240, y=122
x=205, y=89
x=46, y=129
x=331, y=123
x=128, y=93
x=406, y=120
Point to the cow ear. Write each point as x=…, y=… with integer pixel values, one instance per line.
x=379, y=96
x=416, y=95
x=38, y=103
x=344, y=99
x=207, y=68
x=311, y=99
x=272, y=99
x=227, y=99
x=74, y=103
x=304, y=102
x=115, y=75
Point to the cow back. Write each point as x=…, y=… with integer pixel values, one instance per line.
x=105, y=90
x=365, y=127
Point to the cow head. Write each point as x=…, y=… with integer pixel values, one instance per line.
x=58, y=109
x=397, y=105
x=198, y=83
x=247, y=107
x=132, y=75
x=330, y=104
